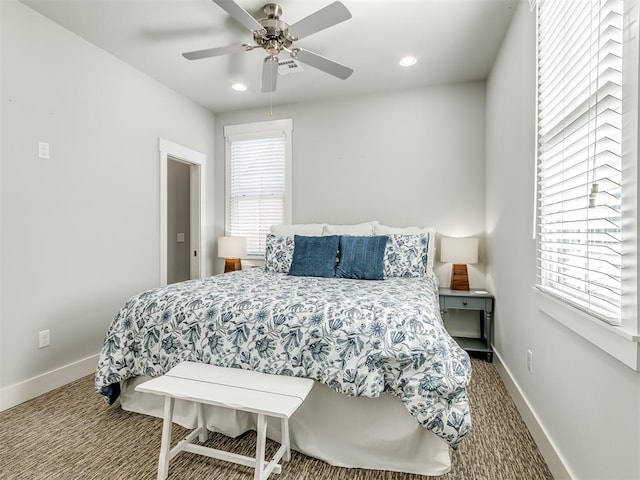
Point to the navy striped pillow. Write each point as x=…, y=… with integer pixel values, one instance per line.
x=362, y=258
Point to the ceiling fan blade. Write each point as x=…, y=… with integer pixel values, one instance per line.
x=326, y=17
x=269, y=74
x=240, y=14
x=214, y=52
x=322, y=63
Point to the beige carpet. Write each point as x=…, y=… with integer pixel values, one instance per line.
x=70, y=434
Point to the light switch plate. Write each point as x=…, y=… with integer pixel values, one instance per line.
x=43, y=150
x=43, y=339
x=181, y=237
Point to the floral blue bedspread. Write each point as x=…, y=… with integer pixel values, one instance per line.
x=359, y=337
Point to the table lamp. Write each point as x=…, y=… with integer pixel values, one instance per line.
x=460, y=252
x=232, y=249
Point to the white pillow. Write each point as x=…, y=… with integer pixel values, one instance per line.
x=306, y=229
x=387, y=230
x=361, y=229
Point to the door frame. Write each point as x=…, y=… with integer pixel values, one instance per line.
x=196, y=162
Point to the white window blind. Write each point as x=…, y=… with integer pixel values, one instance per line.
x=258, y=156
x=579, y=146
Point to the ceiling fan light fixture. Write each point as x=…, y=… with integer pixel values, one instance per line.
x=239, y=87
x=408, y=61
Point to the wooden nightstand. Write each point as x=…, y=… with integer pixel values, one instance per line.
x=479, y=300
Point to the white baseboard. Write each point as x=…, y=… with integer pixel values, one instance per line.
x=21, y=392
x=547, y=448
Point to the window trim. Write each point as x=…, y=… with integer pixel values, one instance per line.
x=256, y=130
x=618, y=342
x=623, y=341
x=630, y=149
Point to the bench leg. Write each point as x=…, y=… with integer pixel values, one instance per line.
x=165, y=444
x=284, y=427
x=261, y=443
x=202, y=424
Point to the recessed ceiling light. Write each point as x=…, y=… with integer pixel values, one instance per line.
x=408, y=61
x=239, y=87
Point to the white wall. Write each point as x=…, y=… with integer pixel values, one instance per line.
x=408, y=158
x=80, y=232
x=587, y=401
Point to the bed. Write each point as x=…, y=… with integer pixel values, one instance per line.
x=390, y=390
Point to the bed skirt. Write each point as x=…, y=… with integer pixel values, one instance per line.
x=361, y=432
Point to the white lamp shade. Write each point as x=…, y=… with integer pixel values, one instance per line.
x=459, y=250
x=232, y=247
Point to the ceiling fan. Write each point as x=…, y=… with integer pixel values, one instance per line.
x=274, y=35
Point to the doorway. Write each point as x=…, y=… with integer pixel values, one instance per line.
x=178, y=221
x=189, y=163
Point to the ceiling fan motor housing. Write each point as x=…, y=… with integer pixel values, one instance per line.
x=277, y=35
x=273, y=10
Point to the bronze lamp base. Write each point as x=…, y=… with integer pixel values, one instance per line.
x=232, y=264
x=459, y=277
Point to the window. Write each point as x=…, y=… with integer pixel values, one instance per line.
x=258, y=159
x=579, y=164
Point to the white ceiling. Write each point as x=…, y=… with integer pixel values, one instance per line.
x=454, y=41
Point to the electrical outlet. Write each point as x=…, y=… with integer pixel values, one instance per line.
x=43, y=339
x=530, y=361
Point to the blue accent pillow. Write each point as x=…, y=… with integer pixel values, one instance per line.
x=314, y=256
x=362, y=257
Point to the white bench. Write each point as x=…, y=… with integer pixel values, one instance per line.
x=260, y=393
